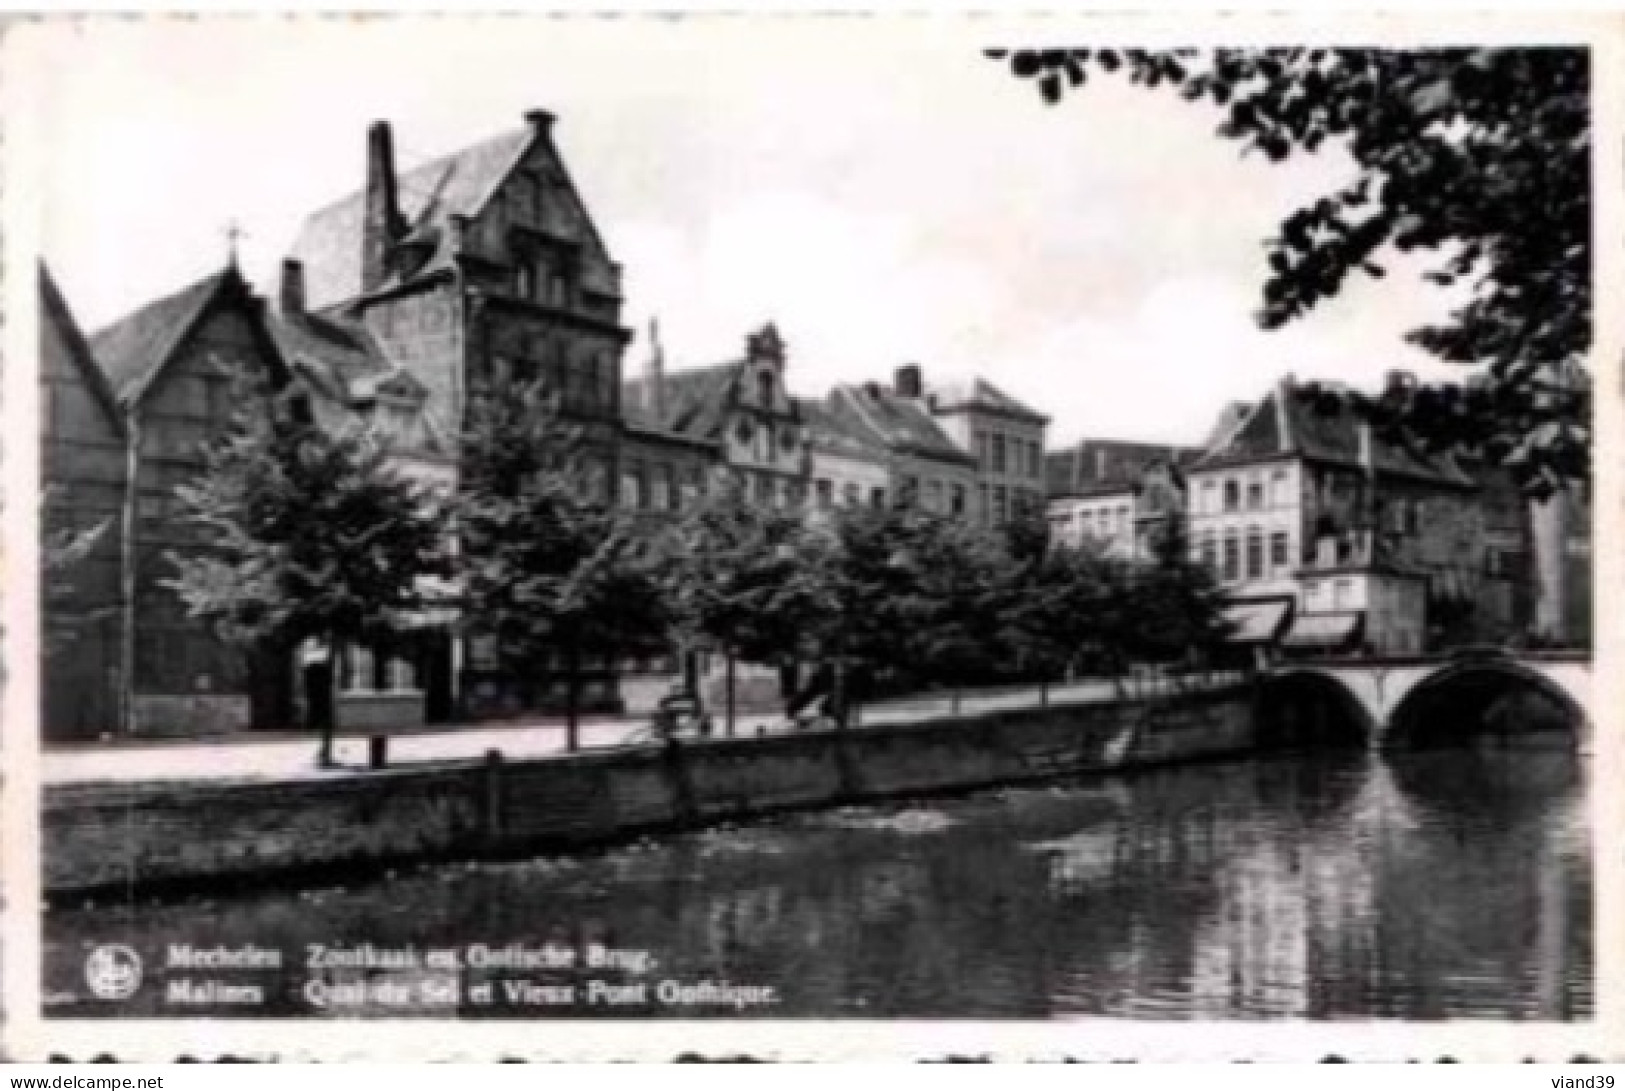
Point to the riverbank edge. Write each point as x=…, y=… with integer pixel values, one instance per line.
x=166, y=839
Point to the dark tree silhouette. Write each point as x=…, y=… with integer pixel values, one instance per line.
x=1479, y=156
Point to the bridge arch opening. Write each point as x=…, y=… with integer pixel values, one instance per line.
x=1485, y=702
x=1305, y=708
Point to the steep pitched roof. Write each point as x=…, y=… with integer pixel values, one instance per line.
x=696, y=401
x=329, y=242
x=1323, y=427
x=839, y=433
x=133, y=350
x=342, y=362
x=56, y=313
x=982, y=395
x=902, y=424
x=1098, y=466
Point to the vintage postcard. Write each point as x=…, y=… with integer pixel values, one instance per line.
x=813, y=537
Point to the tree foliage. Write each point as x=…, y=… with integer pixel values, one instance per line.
x=1480, y=157
x=305, y=533
x=746, y=580
x=548, y=568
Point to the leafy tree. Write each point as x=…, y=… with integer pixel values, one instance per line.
x=956, y=614
x=1479, y=156
x=747, y=580
x=1064, y=612
x=548, y=567
x=1177, y=608
x=305, y=534
x=915, y=597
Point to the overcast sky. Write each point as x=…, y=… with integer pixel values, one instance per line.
x=878, y=189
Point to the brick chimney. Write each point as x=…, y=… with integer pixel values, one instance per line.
x=655, y=400
x=381, y=226
x=291, y=289
x=908, y=382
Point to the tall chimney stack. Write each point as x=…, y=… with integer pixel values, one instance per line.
x=291, y=290
x=656, y=374
x=382, y=214
x=909, y=382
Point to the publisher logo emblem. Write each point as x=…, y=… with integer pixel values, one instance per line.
x=113, y=972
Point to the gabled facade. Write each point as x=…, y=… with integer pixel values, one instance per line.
x=83, y=471
x=478, y=265
x=1005, y=436
x=175, y=367
x=742, y=410
x=130, y=414
x=925, y=465
x=1114, y=495
x=1301, y=503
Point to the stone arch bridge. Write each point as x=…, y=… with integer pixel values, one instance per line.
x=1402, y=701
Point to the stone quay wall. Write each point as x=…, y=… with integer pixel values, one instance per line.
x=115, y=838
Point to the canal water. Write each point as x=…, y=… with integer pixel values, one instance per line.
x=1455, y=883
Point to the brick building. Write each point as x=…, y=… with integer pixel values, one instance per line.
x=129, y=414
x=1328, y=537
x=1006, y=438
x=923, y=462
x=84, y=470
x=740, y=412
x=1114, y=494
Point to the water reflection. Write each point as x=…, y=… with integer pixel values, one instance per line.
x=1427, y=885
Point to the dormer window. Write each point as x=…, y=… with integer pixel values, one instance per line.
x=764, y=387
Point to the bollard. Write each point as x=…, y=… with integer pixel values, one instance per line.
x=492, y=784
x=377, y=751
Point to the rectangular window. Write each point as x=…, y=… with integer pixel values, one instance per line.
x=982, y=448
x=662, y=498
x=1232, y=495
x=998, y=454
x=983, y=505
x=1280, y=489
x=1255, y=495
x=850, y=494
x=1232, y=557
x=958, y=501
x=1210, y=498
x=877, y=497
x=1280, y=551
x=933, y=495
x=911, y=489
x=1255, y=555
x=825, y=492
x=1001, y=505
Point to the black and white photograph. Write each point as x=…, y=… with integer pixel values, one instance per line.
x=756, y=521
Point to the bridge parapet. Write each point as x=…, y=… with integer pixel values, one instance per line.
x=1381, y=687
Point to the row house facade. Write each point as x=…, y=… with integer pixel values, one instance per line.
x=1115, y=496
x=1328, y=537
x=128, y=415
x=396, y=306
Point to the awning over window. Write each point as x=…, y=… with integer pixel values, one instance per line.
x=1323, y=630
x=1255, y=622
